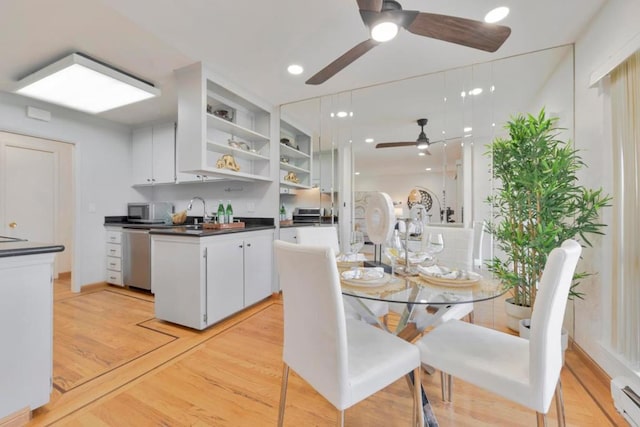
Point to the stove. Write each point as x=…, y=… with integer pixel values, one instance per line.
x=307, y=215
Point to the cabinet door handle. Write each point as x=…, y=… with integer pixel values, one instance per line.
x=112, y=264
x=240, y=246
x=249, y=245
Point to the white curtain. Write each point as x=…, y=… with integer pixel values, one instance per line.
x=625, y=109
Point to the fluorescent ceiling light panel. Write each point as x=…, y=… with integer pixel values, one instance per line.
x=83, y=84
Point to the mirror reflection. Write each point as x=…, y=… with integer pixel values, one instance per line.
x=465, y=109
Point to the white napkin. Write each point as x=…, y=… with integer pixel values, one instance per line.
x=365, y=273
x=351, y=258
x=439, y=271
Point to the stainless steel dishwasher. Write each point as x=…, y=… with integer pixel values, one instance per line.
x=136, y=258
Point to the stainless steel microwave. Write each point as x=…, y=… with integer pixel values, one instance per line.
x=150, y=212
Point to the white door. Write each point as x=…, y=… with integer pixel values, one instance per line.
x=30, y=189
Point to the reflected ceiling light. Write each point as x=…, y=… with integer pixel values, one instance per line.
x=493, y=125
x=422, y=154
x=492, y=88
x=342, y=114
x=368, y=140
x=295, y=69
x=427, y=169
x=463, y=94
x=445, y=99
x=476, y=91
x=496, y=15
x=357, y=173
x=443, y=132
x=468, y=135
x=384, y=31
x=468, y=129
x=79, y=82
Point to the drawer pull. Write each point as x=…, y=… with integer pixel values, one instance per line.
x=112, y=264
x=112, y=278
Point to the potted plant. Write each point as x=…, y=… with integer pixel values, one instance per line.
x=537, y=204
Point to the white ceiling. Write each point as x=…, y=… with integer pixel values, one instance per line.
x=251, y=42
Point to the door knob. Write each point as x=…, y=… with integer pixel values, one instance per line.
x=13, y=224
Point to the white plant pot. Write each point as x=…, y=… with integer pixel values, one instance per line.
x=515, y=313
x=525, y=332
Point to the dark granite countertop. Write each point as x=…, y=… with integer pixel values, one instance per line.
x=199, y=232
x=192, y=227
x=10, y=247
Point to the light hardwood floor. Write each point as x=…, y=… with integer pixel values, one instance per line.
x=115, y=365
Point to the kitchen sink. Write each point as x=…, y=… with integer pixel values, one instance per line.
x=193, y=226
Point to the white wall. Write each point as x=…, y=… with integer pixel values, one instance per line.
x=247, y=198
x=102, y=167
x=616, y=23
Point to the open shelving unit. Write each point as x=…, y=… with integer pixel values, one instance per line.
x=215, y=123
x=298, y=159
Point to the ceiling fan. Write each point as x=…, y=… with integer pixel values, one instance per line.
x=383, y=17
x=422, y=143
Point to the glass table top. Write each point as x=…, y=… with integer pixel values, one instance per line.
x=425, y=290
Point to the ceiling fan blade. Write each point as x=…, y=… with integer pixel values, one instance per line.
x=347, y=58
x=396, y=144
x=370, y=5
x=462, y=31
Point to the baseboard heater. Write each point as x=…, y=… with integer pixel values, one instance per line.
x=626, y=399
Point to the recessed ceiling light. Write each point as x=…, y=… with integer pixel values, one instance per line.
x=496, y=15
x=332, y=115
x=368, y=140
x=493, y=125
x=427, y=169
x=443, y=132
x=492, y=88
x=463, y=94
x=476, y=91
x=357, y=173
x=342, y=114
x=422, y=153
x=468, y=129
x=295, y=69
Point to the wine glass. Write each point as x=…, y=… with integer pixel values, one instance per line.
x=434, y=244
x=393, y=249
x=356, y=243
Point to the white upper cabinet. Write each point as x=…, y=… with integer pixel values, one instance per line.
x=220, y=133
x=295, y=157
x=153, y=154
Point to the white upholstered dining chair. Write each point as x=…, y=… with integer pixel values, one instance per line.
x=328, y=237
x=524, y=371
x=345, y=360
x=457, y=253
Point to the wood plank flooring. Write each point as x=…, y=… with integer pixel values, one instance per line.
x=115, y=365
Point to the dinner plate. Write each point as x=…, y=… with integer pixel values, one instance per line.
x=368, y=283
x=472, y=279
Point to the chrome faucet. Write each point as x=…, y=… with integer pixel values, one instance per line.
x=205, y=217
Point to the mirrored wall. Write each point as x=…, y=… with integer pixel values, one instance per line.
x=465, y=108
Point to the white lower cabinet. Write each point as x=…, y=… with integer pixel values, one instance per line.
x=289, y=234
x=200, y=281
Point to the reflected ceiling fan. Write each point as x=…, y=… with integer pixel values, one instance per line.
x=384, y=17
x=422, y=143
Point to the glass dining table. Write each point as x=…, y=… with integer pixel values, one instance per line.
x=419, y=301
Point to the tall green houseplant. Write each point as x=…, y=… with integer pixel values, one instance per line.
x=538, y=203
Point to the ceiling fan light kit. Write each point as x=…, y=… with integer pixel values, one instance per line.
x=384, y=17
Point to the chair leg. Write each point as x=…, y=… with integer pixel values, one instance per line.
x=560, y=404
x=471, y=317
x=283, y=394
x=417, y=397
x=541, y=419
x=341, y=418
x=446, y=384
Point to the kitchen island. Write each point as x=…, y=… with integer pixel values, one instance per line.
x=201, y=276
x=26, y=327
